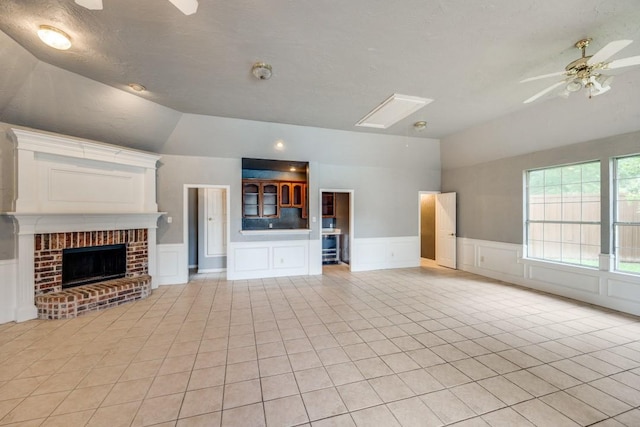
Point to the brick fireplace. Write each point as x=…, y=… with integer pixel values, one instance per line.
x=74, y=193
x=49, y=247
x=54, y=302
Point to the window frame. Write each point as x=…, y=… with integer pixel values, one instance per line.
x=560, y=222
x=615, y=222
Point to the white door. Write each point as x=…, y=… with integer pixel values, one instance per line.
x=446, y=229
x=216, y=222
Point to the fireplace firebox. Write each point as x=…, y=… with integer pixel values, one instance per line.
x=82, y=266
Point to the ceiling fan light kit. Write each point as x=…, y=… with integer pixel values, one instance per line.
x=584, y=72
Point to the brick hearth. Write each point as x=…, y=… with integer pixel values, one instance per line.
x=74, y=302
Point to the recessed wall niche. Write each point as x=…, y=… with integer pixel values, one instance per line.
x=274, y=194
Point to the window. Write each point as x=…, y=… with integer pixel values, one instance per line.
x=627, y=214
x=563, y=214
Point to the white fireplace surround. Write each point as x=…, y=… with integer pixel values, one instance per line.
x=65, y=185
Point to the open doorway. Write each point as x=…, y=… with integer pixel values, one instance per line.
x=337, y=227
x=427, y=229
x=428, y=226
x=206, y=231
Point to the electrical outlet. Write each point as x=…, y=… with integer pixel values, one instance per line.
x=482, y=258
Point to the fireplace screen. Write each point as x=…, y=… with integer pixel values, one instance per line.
x=81, y=266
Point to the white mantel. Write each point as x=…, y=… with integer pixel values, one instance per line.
x=66, y=184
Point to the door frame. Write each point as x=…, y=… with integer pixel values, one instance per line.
x=185, y=219
x=351, y=193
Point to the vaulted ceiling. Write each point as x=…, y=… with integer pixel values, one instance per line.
x=333, y=61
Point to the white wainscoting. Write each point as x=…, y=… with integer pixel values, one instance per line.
x=385, y=252
x=8, y=273
x=172, y=266
x=503, y=261
x=253, y=260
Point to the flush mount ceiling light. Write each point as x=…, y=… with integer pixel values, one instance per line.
x=392, y=110
x=261, y=70
x=137, y=87
x=54, y=37
x=420, y=125
x=584, y=72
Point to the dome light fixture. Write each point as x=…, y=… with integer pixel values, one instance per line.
x=137, y=87
x=261, y=70
x=420, y=125
x=54, y=37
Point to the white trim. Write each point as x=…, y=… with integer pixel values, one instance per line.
x=317, y=252
x=82, y=149
x=385, y=252
x=184, y=264
x=8, y=286
x=278, y=258
x=36, y=223
x=170, y=261
x=504, y=261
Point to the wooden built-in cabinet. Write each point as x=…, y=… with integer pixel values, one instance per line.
x=328, y=205
x=260, y=199
x=270, y=205
x=251, y=200
x=298, y=199
x=285, y=194
x=292, y=194
x=263, y=199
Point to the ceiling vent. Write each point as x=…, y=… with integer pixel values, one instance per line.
x=392, y=110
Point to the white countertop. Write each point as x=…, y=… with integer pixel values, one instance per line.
x=331, y=231
x=278, y=231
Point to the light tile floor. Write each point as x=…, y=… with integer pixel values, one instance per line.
x=409, y=347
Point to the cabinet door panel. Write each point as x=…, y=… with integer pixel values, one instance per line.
x=269, y=193
x=285, y=194
x=250, y=199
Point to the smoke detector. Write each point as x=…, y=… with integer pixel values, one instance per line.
x=261, y=70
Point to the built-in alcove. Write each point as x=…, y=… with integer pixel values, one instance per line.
x=274, y=194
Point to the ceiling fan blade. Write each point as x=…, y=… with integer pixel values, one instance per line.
x=90, y=4
x=624, y=62
x=188, y=7
x=544, y=76
x=608, y=51
x=544, y=92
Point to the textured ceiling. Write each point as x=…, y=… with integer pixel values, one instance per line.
x=333, y=61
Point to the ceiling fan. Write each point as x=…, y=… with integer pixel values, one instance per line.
x=188, y=7
x=585, y=73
